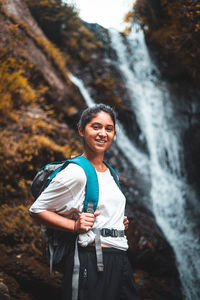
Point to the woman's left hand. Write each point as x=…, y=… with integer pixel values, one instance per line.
x=126, y=222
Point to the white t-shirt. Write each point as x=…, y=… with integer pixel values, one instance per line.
x=66, y=193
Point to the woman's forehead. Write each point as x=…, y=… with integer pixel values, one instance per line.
x=102, y=117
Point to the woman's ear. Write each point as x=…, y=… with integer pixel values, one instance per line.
x=80, y=131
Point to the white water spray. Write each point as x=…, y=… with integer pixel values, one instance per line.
x=169, y=192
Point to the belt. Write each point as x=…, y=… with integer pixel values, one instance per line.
x=105, y=232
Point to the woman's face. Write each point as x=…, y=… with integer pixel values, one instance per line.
x=98, y=134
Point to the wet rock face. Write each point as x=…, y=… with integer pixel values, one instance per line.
x=152, y=259
x=27, y=279
x=185, y=100
x=191, y=140
x=4, y=293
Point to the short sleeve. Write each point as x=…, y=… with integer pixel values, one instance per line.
x=66, y=191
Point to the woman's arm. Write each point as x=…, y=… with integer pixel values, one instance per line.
x=54, y=220
x=126, y=222
x=84, y=223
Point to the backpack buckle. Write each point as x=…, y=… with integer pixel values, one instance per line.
x=109, y=232
x=115, y=233
x=90, y=207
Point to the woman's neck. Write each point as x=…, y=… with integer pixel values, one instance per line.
x=96, y=161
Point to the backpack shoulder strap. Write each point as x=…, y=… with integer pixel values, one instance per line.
x=92, y=185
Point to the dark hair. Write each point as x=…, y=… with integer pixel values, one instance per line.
x=89, y=113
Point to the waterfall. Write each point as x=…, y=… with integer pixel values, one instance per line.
x=139, y=160
x=170, y=193
x=84, y=92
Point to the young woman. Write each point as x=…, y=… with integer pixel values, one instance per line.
x=65, y=196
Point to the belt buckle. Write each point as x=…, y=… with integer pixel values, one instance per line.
x=109, y=232
x=114, y=232
x=105, y=232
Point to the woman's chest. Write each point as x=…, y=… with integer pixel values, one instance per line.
x=110, y=196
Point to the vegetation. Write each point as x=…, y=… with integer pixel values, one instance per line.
x=30, y=134
x=22, y=155
x=61, y=24
x=16, y=227
x=174, y=28
x=106, y=88
x=15, y=89
x=48, y=47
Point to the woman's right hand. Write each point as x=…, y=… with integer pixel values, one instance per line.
x=85, y=222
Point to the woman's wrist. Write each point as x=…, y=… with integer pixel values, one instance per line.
x=75, y=227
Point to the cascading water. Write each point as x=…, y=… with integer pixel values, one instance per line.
x=170, y=193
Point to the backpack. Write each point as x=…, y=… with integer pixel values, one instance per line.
x=61, y=243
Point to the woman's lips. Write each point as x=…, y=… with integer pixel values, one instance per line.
x=101, y=141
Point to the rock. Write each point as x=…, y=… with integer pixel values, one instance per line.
x=28, y=36
x=151, y=256
x=4, y=293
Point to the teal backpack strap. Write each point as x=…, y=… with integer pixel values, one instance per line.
x=92, y=185
x=90, y=205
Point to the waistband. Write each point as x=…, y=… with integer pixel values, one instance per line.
x=105, y=232
x=104, y=250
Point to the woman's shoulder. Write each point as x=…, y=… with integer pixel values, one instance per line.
x=71, y=173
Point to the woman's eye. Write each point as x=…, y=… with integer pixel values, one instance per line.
x=95, y=127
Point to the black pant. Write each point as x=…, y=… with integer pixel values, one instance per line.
x=116, y=282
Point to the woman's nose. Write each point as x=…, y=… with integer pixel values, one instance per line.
x=102, y=132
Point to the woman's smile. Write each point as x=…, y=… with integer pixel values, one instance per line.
x=99, y=132
x=100, y=141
